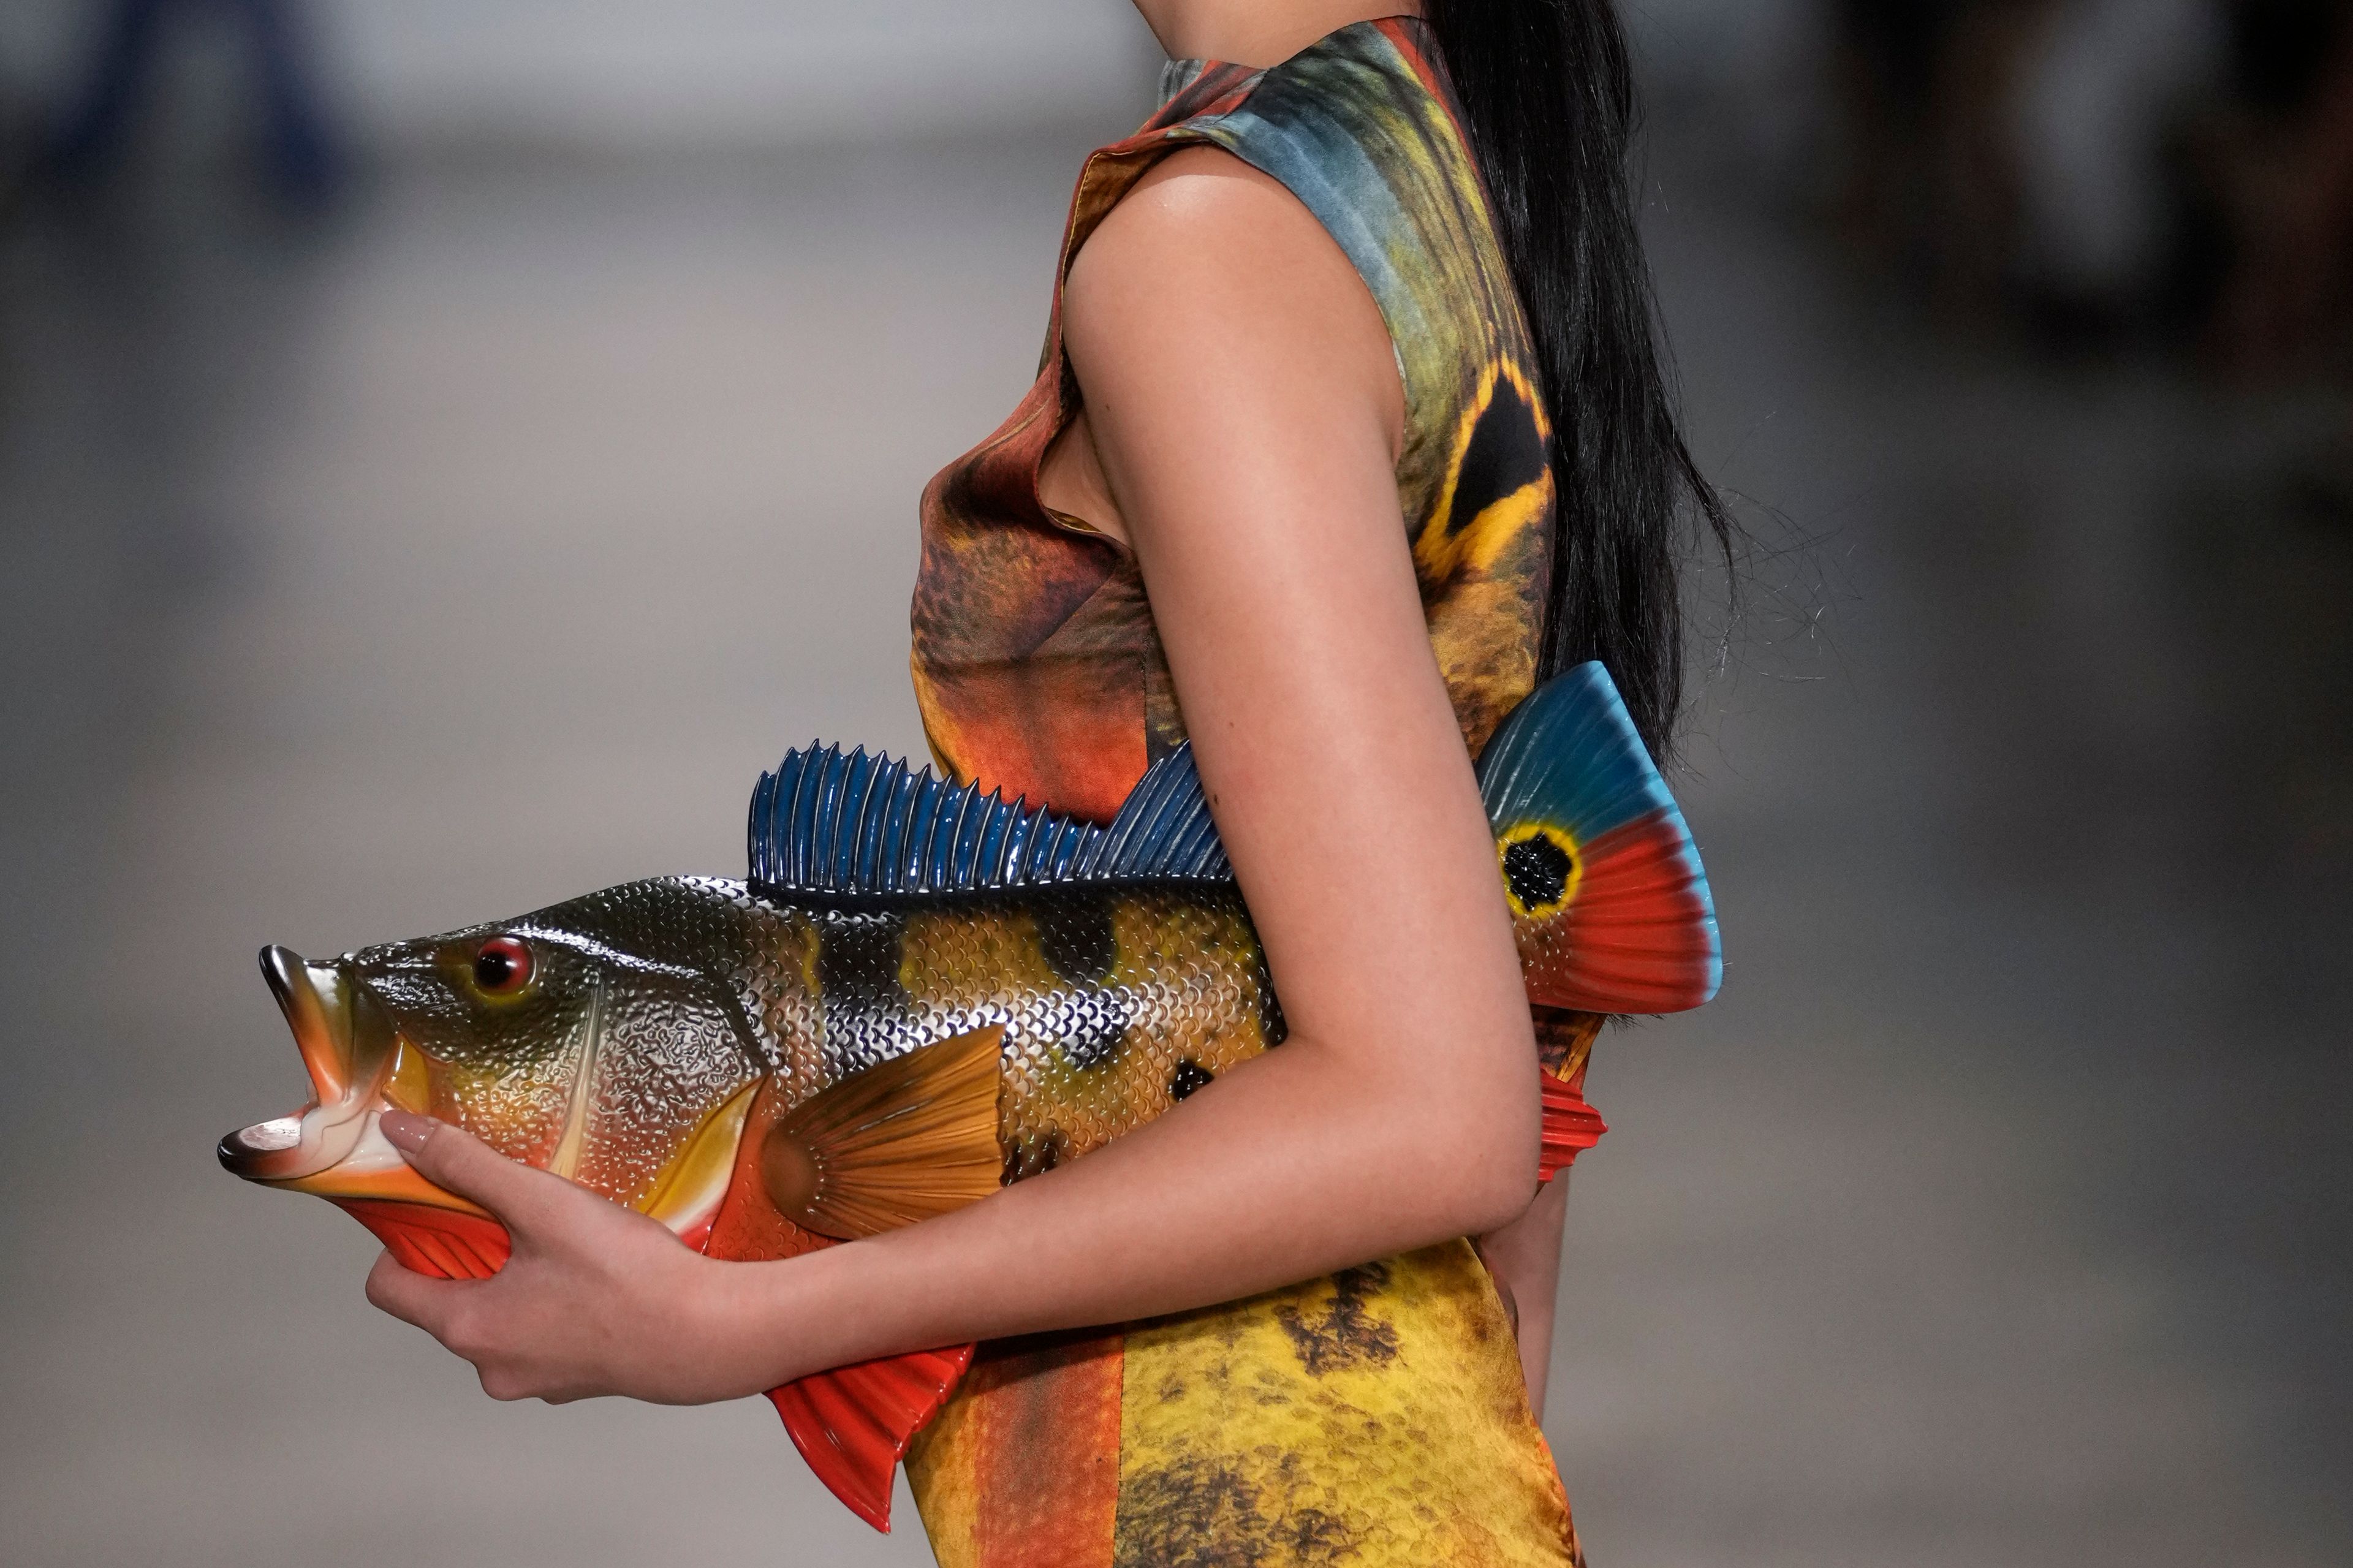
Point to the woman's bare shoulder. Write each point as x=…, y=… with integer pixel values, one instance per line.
x=1226, y=256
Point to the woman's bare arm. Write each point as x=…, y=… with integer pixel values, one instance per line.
x=1243, y=406
x=1525, y=1257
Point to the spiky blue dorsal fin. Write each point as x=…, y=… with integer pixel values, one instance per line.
x=857, y=823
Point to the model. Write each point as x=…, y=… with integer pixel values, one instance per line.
x=1349, y=433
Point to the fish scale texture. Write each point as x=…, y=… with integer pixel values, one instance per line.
x=603, y=1056
x=1117, y=1001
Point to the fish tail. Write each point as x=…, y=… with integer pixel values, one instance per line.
x=1609, y=900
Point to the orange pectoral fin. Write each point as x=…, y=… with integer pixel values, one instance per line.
x=911, y=1138
x=900, y=1142
x=854, y=1424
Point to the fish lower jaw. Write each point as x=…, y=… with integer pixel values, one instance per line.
x=286, y=1148
x=369, y=1167
x=332, y=1152
x=340, y=1152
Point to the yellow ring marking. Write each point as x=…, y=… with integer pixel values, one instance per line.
x=1527, y=832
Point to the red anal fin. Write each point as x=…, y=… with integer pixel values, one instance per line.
x=437, y=1242
x=853, y=1424
x=1570, y=1126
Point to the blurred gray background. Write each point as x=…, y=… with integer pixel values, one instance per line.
x=440, y=470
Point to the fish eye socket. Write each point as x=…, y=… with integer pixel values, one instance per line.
x=502, y=967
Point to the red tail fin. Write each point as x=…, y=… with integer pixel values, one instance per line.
x=1610, y=905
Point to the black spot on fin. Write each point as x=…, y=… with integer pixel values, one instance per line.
x=872, y=825
x=1538, y=871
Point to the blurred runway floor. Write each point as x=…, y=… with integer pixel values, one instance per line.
x=479, y=547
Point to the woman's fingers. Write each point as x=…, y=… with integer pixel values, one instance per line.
x=451, y=1312
x=417, y=1299
x=455, y=1161
x=586, y=1276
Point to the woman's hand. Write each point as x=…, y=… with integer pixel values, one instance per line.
x=596, y=1299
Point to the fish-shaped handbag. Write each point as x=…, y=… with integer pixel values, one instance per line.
x=921, y=994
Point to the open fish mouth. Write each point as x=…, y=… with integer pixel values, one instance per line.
x=358, y=1065
x=349, y=1047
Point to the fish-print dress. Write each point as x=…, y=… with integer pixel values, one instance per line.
x=1376, y=1416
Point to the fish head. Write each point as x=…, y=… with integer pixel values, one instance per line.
x=602, y=1039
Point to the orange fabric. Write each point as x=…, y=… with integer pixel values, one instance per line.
x=1021, y=1470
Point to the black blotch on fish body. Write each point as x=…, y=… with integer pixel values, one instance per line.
x=1346, y=1334
x=1075, y=935
x=1189, y=1077
x=1505, y=454
x=1274, y=1028
x=1538, y=870
x=1032, y=1157
x=858, y=990
x=1095, y=1027
x=858, y=956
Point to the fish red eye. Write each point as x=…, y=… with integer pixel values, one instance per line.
x=503, y=965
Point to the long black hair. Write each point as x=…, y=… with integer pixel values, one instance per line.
x=1547, y=96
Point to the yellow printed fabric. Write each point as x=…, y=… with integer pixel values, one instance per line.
x=1375, y=1417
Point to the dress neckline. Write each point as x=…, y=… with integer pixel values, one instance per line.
x=1177, y=74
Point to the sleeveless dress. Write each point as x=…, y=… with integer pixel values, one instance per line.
x=1376, y=1416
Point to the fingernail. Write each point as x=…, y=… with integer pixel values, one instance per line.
x=405, y=1131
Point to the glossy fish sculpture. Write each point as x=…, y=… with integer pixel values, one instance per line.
x=919, y=994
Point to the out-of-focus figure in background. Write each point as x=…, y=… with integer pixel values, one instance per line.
x=2281, y=161
x=2099, y=167
x=300, y=147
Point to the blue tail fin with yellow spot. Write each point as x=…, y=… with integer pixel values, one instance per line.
x=1608, y=901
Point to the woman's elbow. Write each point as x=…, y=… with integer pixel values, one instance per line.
x=1504, y=1187
x=1481, y=1159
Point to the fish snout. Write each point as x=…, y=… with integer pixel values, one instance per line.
x=347, y=1045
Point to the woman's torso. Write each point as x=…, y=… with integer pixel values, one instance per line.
x=1378, y=1415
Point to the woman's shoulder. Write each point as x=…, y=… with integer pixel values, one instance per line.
x=1364, y=130
x=1207, y=284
